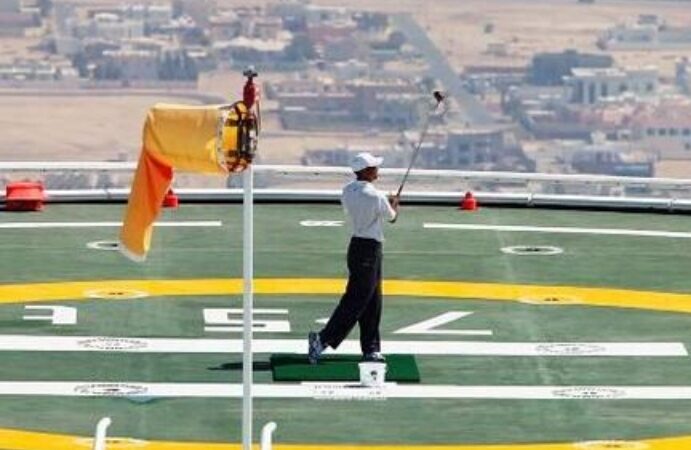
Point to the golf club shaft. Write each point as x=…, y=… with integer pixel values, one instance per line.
x=423, y=134
x=413, y=158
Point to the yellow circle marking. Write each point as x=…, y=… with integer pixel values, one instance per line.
x=619, y=298
x=27, y=440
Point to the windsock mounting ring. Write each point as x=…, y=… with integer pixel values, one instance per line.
x=244, y=117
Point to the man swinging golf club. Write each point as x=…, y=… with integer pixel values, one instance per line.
x=366, y=208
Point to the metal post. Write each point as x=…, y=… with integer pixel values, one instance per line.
x=248, y=275
x=100, y=435
x=266, y=442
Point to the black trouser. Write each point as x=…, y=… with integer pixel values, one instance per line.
x=362, y=300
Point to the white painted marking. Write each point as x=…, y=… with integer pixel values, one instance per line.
x=428, y=326
x=562, y=230
x=322, y=321
x=447, y=348
x=308, y=390
x=24, y=225
x=104, y=245
x=222, y=321
x=321, y=223
x=58, y=315
x=532, y=250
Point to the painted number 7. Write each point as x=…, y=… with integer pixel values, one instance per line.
x=430, y=326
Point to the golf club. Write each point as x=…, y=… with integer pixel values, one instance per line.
x=439, y=99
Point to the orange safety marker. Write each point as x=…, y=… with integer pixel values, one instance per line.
x=171, y=199
x=24, y=196
x=469, y=203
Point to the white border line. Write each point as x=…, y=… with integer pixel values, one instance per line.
x=559, y=230
x=446, y=348
x=153, y=391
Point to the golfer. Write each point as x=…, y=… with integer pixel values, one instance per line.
x=366, y=208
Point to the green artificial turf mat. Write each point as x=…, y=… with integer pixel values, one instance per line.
x=294, y=367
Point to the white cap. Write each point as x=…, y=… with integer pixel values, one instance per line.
x=364, y=160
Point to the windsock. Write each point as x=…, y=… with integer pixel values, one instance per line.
x=203, y=139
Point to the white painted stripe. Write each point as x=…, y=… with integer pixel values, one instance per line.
x=25, y=225
x=562, y=230
x=179, y=345
x=308, y=390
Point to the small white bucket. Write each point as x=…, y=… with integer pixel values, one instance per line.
x=372, y=373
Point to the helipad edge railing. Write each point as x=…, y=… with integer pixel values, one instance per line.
x=667, y=194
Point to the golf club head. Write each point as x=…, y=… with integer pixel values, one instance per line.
x=437, y=103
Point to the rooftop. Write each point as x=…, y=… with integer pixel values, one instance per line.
x=588, y=342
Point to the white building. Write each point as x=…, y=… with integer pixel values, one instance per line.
x=154, y=16
x=257, y=51
x=112, y=27
x=590, y=85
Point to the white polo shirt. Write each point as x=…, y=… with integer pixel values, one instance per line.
x=366, y=208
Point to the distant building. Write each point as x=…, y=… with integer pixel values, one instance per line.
x=342, y=155
x=543, y=111
x=10, y=6
x=267, y=28
x=683, y=75
x=396, y=110
x=154, y=17
x=343, y=49
x=630, y=36
x=64, y=18
x=348, y=70
x=131, y=64
x=588, y=86
x=13, y=24
x=112, y=27
x=665, y=129
x=472, y=147
x=483, y=79
x=329, y=103
x=68, y=45
x=609, y=158
x=315, y=14
x=224, y=27
x=199, y=10
x=14, y=19
x=34, y=70
x=649, y=32
x=477, y=149
x=549, y=69
x=324, y=33
x=259, y=52
x=497, y=49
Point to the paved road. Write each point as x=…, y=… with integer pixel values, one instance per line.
x=472, y=111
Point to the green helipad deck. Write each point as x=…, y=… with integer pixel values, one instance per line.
x=551, y=330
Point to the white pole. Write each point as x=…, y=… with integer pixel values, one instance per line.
x=100, y=435
x=266, y=435
x=248, y=275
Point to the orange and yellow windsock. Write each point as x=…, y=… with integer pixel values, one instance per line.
x=202, y=139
